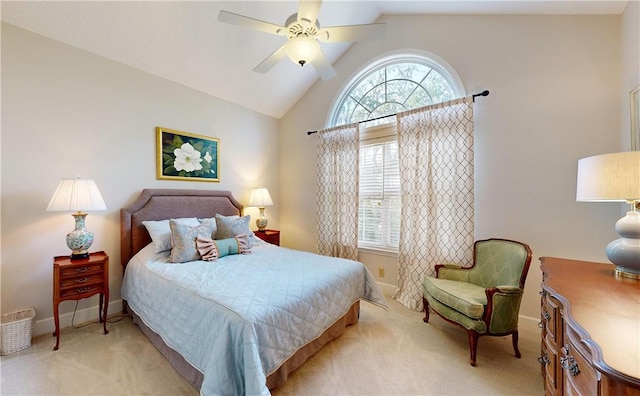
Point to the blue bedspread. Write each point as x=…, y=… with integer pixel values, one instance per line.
x=239, y=318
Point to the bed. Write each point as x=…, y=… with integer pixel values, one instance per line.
x=242, y=323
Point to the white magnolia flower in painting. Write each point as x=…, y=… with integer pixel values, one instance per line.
x=187, y=158
x=207, y=157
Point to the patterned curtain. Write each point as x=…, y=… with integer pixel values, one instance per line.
x=337, y=199
x=435, y=146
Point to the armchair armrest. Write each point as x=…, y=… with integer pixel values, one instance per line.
x=503, y=306
x=508, y=289
x=451, y=265
x=452, y=272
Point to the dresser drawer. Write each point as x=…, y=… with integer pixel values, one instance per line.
x=80, y=270
x=573, y=337
x=550, y=318
x=552, y=375
x=580, y=378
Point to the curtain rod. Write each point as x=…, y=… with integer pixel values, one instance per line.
x=483, y=93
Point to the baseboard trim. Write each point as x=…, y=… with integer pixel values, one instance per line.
x=387, y=288
x=529, y=324
x=90, y=314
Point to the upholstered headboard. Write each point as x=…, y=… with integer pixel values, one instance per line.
x=161, y=204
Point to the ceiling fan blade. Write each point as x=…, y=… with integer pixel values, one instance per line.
x=245, y=21
x=271, y=61
x=322, y=66
x=337, y=34
x=309, y=10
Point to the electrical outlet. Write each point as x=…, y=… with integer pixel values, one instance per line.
x=381, y=272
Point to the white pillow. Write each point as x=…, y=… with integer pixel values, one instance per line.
x=160, y=231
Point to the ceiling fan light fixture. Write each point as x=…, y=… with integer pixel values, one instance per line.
x=302, y=49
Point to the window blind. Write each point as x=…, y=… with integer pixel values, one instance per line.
x=379, y=205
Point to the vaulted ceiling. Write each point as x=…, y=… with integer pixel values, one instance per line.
x=183, y=41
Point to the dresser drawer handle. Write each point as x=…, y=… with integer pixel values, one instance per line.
x=82, y=280
x=546, y=317
x=81, y=270
x=544, y=360
x=83, y=289
x=569, y=362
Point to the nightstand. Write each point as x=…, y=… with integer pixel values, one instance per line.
x=271, y=236
x=80, y=278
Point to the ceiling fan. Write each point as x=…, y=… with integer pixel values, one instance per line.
x=304, y=35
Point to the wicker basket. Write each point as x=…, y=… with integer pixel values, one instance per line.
x=16, y=331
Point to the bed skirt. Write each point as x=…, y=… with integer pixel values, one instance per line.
x=274, y=379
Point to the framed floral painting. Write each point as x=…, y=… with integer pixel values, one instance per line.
x=187, y=156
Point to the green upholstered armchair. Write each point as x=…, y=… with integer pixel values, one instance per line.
x=484, y=298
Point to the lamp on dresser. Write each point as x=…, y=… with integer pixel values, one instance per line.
x=615, y=177
x=77, y=195
x=260, y=198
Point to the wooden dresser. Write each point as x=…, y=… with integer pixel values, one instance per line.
x=590, y=329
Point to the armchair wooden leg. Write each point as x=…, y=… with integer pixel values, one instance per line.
x=473, y=345
x=514, y=340
x=425, y=304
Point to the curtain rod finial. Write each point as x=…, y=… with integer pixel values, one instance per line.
x=483, y=93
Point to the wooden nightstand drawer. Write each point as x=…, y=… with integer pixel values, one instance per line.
x=79, y=291
x=82, y=270
x=82, y=280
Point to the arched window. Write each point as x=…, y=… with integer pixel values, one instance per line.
x=393, y=84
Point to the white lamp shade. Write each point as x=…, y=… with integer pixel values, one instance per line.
x=609, y=177
x=302, y=49
x=76, y=195
x=260, y=197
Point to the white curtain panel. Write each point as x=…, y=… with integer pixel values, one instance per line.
x=435, y=146
x=337, y=196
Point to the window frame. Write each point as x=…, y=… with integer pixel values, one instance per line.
x=369, y=129
x=394, y=57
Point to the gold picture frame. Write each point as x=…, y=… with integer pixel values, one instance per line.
x=634, y=100
x=187, y=156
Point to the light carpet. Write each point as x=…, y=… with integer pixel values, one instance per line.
x=386, y=353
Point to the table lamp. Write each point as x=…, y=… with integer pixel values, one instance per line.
x=615, y=177
x=77, y=195
x=260, y=197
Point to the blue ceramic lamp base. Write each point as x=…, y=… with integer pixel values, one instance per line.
x=80, y=239
x=261, y=221
x=625, y=252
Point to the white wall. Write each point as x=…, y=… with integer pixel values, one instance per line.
x=630, y=56
x=554, y=82
x=66, y=111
